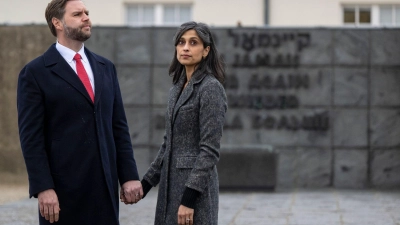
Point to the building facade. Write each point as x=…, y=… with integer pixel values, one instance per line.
x=274, y=13
x=145, y=12
x=351, y=13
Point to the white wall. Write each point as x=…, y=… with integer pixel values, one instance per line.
x=112, y=13
x=106, y=12
x=22, y=11
x=229, y=12
x=103, y=12
x=304, y=12
x=314, y=12
x=212, y=12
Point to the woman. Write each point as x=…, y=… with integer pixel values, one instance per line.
x=185, y=166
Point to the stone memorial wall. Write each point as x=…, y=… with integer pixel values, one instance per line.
x=326, y=102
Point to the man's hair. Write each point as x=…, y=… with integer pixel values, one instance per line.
x=55, y=9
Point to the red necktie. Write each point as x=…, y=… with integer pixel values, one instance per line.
x=83, y=76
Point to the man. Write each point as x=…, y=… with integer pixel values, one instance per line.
x=73, y=130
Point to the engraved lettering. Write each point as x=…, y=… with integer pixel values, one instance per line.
x=303, y=40
x=248, y=41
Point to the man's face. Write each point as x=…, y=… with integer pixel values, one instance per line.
x=76, y=22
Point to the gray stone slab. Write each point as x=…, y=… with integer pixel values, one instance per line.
x=134, y=45
x=139, y=124
x=352, y=47
x=34, y=41
x=276, y=127
x=257, y=170
x=319, y=93
x=164, y=46
x=158, y=125
x=385, y=168
x=385, y=128
x=385, y=87
x=354, y=135
x=287, y=168
x=143, y=159
x=103, y=42
x=304, y=167
x=162, y=82
x=135, y=84
x=222, y=39
x=314, y=168
x=320, y=50
x=305, y=46
x=351, y=87
x=350, y=168
x=385, y=48
x=309, y=87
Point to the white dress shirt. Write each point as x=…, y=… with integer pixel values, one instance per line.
x=68, y=55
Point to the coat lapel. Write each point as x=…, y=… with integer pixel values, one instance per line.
x=174, y=96
x=53, y=59
x=98, y=72
x=186, y=93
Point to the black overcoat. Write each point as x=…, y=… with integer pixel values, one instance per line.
x=78, y=148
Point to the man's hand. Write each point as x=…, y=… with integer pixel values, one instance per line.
x=49, y=206
x=131, y=192
x=185, y=215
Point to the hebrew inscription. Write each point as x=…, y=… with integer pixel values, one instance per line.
x=256, y=82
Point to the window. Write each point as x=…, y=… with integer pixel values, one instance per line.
x=138, y=15
x=357, y=15
x=176, y=14
x=158, y=14
x=364, y=15
x=350, y=15
x=372, y=15
x=389, y=15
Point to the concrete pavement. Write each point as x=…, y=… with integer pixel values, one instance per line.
x=282, y=207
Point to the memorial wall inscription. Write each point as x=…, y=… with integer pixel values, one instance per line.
x=250, y=41
x=263, y=74
x=273, y=80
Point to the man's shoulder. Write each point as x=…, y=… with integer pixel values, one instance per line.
x=40, y=60
x=37, y=62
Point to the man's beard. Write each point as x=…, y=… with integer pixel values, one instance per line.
x=76, y=33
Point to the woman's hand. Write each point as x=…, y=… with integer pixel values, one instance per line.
x=131, y=192
x=185, y=215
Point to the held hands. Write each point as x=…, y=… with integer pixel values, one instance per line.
x=49, y=206
x=131, y=192
x=185, y=215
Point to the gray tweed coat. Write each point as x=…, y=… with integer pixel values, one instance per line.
x=190, y=151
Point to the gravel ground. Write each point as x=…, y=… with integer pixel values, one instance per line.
x=13, y=187
x=283, y=207
x=12, y=193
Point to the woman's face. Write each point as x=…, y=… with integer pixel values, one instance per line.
x=190, y=49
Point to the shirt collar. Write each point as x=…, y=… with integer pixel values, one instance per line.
x=68, y=54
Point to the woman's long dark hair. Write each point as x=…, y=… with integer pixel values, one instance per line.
x=212, y=63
